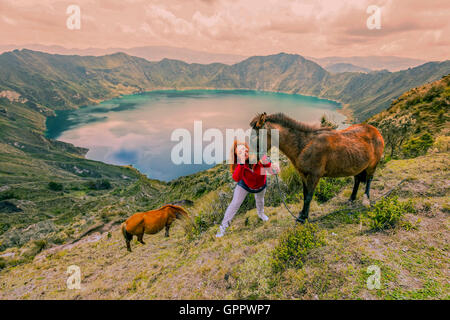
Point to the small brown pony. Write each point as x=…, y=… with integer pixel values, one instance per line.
x=151, y=222
x=324, y=152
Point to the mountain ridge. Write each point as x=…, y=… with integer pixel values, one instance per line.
x=91, y=79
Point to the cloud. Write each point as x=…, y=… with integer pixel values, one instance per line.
x=310, y=27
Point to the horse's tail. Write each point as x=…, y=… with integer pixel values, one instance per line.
x=178, y=209
x=128, y=236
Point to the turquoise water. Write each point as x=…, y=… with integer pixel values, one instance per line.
x=136, y=129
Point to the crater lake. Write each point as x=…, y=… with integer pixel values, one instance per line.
x=136, y=129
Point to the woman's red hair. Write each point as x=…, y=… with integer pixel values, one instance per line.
x=233, y=155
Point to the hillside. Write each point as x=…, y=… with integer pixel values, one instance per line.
x=49, y=191
x=413, y=257
x=414, y=120
x=54, y=203
x=60, y=82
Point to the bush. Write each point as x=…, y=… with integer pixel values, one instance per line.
x=295, y=245
x=102, y=184
x=442, y=143
x=325, y=122
x=327, y=188
x=210, y=211
x=418, y=146
x=292, y=178
x=388, y=213
x=55, y=186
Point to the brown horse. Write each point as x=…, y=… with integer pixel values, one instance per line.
x=324, y=152
x=151, y=222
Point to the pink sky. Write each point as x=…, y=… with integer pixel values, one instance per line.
x=409, y=28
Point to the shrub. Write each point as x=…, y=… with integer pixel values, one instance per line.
x=388, y=213
x=327, y=188
x=101, y=184
x=325, y=122
x=292, y=178
x=55, y=186
x=295, y=245
x=442, y=143
x=210, y=211
x=418, y=146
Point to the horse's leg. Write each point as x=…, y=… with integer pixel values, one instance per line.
x=305, y=192
x=141, y=238
x=369, y=177
x=308, y=192
x=128, y=245
x=167, y=230
x=355, y=188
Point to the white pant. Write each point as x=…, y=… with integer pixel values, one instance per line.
x=238, y=198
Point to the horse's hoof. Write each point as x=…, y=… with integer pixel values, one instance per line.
x=300, y=220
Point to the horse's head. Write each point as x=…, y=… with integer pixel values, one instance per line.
x=259, y=123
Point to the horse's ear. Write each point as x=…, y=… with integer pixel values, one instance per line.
x=262, y=119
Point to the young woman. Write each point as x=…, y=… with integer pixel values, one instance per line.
x=250, y=178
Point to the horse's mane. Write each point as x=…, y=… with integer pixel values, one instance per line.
x=288, y=122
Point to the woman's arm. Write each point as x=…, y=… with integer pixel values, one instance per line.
x=238, y=172
x=265, y=161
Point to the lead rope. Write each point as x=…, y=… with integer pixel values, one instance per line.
x=283, y=198
x=284, y=202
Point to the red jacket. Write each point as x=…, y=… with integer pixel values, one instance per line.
x=252, y=178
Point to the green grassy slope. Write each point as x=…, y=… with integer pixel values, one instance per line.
x=416, y=119
x=30, y=209
x=413, y=262
x=50, y=196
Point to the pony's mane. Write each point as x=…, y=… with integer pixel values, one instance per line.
x=285, y=121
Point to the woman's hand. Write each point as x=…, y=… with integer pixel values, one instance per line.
x=275, y=168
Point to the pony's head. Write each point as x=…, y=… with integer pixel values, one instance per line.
x=258, y=121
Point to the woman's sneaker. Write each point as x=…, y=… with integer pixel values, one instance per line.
x=221, y=232
x=263, y=217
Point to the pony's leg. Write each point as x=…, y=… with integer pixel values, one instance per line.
x=369, y=177
x=167, y=230
x=308, y=192
x=355, y=188
x=369, y=181
x=128, y=245
x=141, y=238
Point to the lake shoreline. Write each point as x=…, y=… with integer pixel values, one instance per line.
x=276, y=101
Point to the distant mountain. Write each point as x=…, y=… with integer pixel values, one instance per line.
x=62, y=82
x=389, y=63
x=345, y=67
x=151, y=53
